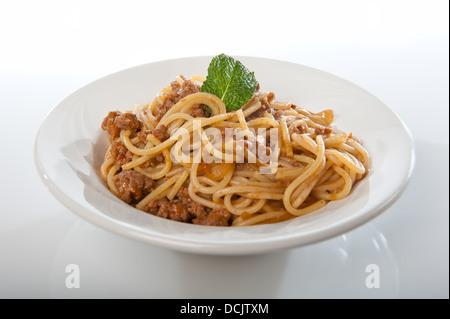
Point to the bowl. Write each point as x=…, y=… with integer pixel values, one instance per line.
x=70, y=147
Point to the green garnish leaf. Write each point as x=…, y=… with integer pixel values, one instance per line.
x=231, y=81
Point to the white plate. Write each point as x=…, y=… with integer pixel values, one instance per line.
x=70, y=147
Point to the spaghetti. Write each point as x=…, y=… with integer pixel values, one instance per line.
x=157, y=160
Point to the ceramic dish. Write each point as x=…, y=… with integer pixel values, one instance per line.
x=70, y=146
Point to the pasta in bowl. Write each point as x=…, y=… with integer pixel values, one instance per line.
x=265, y=162
x=335, y=189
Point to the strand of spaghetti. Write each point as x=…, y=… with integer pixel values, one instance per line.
x=313, y=169
x=180, y=119
x=176, y=187
x=305, y=189
x=280, y=106
x=110, y=181
x=348, y=160
x=205, y=202
x=309, y=143
x=302, y=191
x=175, y=171
x=212, y=189
x=328, y=173
x=213, y=102
x=313, y=118
x=333, y=159
x=159, y=172
x=295, y=124
x=366, y=158
x=155, y=102
x=347, y=182
x=353, y=175
x=244, y=189
x=157, y=191
x=330, y=186
x=303, y=158
x=251, y=109
x=289, y=174
x=241, y=119
x=206, y=180
x=227, y=124
x=234, y=181
x=238, y=211
x=301, y=141
x=293, y=113
x=259, y=218
x=251, y=174
x=347, y=148
x=262, y=195
x=105, y=166
x=262, y=122
x=174, y=117
x=288, y=162
x=136, y=162
x=335, y=139
x=143, y=117
x=286, y=138
x=241, y=202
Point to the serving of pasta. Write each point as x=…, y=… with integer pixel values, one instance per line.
x=185, y=157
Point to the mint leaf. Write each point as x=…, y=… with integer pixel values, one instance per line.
x=230, y=80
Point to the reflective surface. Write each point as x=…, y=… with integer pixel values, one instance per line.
x=337, y=267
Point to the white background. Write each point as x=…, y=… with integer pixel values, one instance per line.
x=398, y=50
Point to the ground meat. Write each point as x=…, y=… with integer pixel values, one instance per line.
x=133, y=186
x=183, y=208
x=301, y=128
x=120, y=153
x=217, y=217
x=154, y=161
x=277, y=114
x=142, y=135
x=265, y=104
x=165, y=209
x=116, y=121
x=198, y=111
x=177, y=93
x=188, y=88
x=323, y=130
x=193, y=207
x=109, y=126
x=265, y=107
x=127, y=121
x=257, y=114
x=161, y=133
